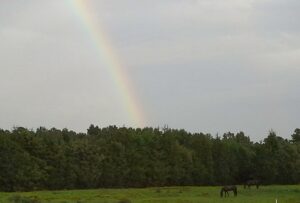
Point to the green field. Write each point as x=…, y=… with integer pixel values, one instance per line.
x=266, y=194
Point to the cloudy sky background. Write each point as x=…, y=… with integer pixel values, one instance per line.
x=203, y=65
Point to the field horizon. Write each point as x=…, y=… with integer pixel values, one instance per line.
x=178, y=194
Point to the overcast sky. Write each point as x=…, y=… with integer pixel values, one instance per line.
x=203, y=65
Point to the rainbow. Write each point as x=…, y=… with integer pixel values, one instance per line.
x=105, y=49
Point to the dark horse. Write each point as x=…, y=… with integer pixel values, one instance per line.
x=228, y=188
x=252, y=182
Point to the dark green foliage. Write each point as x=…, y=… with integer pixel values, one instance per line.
x=21, y=199
x=124, y=200
x=127, y=157
x=296, y=136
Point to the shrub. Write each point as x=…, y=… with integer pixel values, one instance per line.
x=124, y=200
x=22, y=199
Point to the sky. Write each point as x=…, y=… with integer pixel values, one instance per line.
x=209, y=66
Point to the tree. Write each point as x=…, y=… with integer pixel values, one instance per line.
x=296, y=136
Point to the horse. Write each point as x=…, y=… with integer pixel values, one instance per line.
x=252, y=182
x=228, y=188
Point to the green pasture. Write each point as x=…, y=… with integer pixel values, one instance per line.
x=265, y=194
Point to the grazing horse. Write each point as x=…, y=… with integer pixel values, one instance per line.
x=252, y=182
x=228, y=188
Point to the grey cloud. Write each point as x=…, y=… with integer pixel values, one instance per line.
x=203, y=65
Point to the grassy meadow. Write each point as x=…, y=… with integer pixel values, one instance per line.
x=266, y=194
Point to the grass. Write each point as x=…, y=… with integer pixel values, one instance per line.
x=266, y=194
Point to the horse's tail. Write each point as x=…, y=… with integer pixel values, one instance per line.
x=221, y=193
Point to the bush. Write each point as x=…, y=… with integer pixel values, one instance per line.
x=124, y=200
x=22, y=199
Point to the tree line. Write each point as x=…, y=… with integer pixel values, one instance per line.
x=52, y=159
